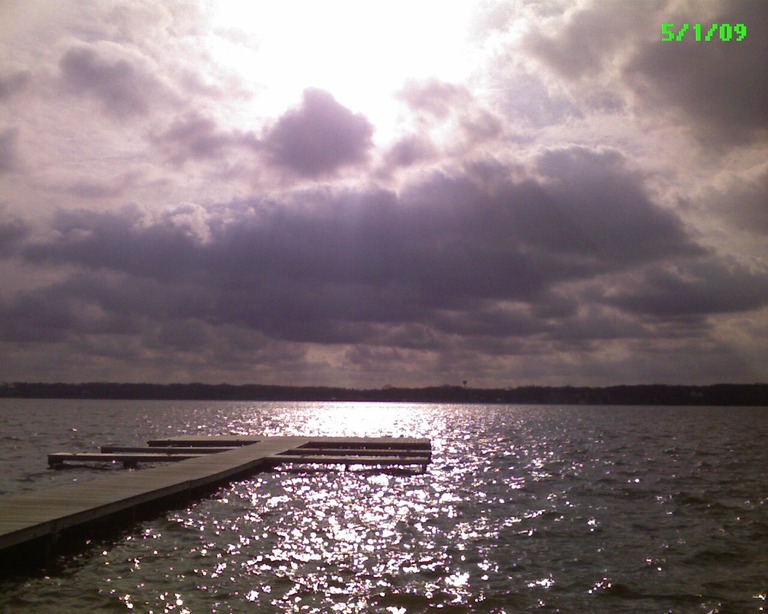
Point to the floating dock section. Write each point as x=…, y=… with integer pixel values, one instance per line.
x=385, y=451
x=190, y=464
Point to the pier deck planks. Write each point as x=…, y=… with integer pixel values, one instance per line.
x=31, y=515
x=46, y=513
x=348, y=460
x=314, y=442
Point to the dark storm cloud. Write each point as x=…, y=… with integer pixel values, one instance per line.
x=695, y=289
x=336, y=267
x=594, y=326
x=38, y=315
x=97, y=302
x=123, y=88
x=117, y=240
x=492, y=322
x=181, y=335
x=596, y=207
x=318, y=137
x=12, y=234
x=713, y=85
x=198, y=137
x=720, y=86
x=8, y=155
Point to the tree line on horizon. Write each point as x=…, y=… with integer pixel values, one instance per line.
x=646, y=394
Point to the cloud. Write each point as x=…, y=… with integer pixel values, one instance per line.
x=434, y=97
x=539, y=212
x=12, y=233
x=742, y=201
x=124, y=89
x=336, y=266
x=525, y=98
x=694, y=289
x=8, y=155
x=601, y=53
x=98, y=320
x=481, y=126
x=747, y=205
x=13, y=83
x=83, y=188
x=117, y=240
x=582, y=44
x=408, y=151
x=319, y=137
x=34, y=317
x=436, y=105
x=197, y=137
x=707, y=83
x=598, y=207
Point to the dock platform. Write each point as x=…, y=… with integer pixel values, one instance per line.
x=198, y=463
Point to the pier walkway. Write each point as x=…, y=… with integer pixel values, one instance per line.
x=35, y=516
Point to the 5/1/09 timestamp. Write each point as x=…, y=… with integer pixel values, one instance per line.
x=717, y=31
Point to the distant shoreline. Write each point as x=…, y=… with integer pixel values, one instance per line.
x=652, y=394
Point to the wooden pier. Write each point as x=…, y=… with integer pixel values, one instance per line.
x=189, y=465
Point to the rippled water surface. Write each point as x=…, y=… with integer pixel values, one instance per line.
x=545, y=508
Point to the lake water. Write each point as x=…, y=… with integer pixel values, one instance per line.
x=524, y=508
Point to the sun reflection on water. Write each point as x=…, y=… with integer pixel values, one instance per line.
x=515, y=513
x=345, y=419
x=322, y=540
x=346, y=541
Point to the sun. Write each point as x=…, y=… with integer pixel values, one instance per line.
x=361, y=52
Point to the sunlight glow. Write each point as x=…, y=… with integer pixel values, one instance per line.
x=366, y=419
x=360, y=52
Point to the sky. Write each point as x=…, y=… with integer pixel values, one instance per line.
x=364, y=194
